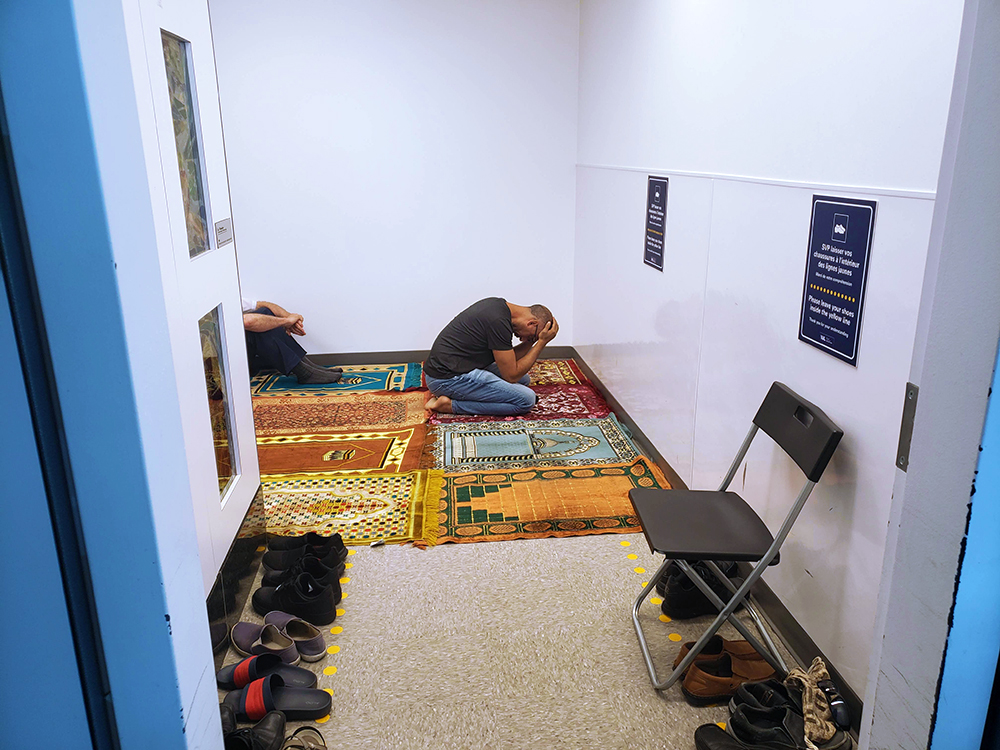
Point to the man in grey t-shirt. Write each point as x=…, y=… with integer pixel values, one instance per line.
x=473, y=367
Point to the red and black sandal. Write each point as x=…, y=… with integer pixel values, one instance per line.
x=241, y=674
x=270, y=694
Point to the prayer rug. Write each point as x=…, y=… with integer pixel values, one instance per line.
x=537, y=503
x=362, y=509
x=485, y=446
x=290, y=415
x=356, y=378
x=355, y=452
x=554, y=402
x=556, y=372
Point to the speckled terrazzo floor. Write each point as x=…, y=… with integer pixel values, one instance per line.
x=525, y=644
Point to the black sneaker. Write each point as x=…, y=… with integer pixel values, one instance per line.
x=766, y=694
x=276, y=560
x=307, y=564
x=683, y=600
x=301, y=596
x=320, y=544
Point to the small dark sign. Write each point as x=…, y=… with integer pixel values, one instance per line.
x=656, y=221
x=833, y=297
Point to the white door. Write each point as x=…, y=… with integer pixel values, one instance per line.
x=182, y=133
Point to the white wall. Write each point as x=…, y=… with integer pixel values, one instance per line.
x=391, y=163
x=744, y=108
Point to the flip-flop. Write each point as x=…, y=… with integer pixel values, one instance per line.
x=270, y=694
x=310, y=738
x=241, y=674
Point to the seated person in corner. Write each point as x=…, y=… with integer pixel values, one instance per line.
x=472, y=367
x=270, y=346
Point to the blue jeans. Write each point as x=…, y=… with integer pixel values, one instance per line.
x=484, y=392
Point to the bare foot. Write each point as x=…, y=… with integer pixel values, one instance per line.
x=440, y=404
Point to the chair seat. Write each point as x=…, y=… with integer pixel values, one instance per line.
x=700, y=525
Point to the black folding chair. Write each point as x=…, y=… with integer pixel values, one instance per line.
x=691, y=525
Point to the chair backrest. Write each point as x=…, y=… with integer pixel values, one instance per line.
x=802, y=430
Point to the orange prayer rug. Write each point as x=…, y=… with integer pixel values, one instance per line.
x=381, y=451
x=296, y=415
x=394, y=508
x=537, y=503
x=556, y=372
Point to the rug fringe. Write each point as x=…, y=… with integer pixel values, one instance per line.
x=432, y=505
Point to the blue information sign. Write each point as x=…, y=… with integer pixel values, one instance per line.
x=656, y=221
x=840, y=243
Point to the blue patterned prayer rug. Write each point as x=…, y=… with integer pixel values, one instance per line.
x=488, y=446
x=356, y=378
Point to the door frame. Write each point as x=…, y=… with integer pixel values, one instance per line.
x=72, y=116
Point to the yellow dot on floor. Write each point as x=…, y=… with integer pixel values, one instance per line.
x=261, y=549
x=337, y=630
x=330, y=670
x=348, y=565
x=632, y=557
x=323, y=720
x=344, y=595
x=656, y=600
x=664, y=618
x=341, y=612
x=644, y=584
x=625, y=544
x=333, y=650
x=674, y=637
x=352, y=552
x=345, y=580
x=328, y=690
x=640, y=571
x=720, y=724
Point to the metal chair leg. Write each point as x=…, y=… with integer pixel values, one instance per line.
x=728, y=609
x=754, y=615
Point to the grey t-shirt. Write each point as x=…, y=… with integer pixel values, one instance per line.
x=468, y=341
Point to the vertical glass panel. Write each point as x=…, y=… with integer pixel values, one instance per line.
x=219, y=407
x=177, y=54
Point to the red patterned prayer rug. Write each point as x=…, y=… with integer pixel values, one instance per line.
x=297, y=415
x=554, y=402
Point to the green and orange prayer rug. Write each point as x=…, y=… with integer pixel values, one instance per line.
x=537, y=503
x=394, y=508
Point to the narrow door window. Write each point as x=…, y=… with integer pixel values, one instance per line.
x=219, y=407
x=177, y=55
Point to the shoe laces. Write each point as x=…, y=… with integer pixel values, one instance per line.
x=248, y=736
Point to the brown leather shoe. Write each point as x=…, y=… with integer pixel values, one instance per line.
x=716, y=681
x=715, y=648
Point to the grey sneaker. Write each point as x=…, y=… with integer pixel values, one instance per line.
x=250, y=640
x=308, y=639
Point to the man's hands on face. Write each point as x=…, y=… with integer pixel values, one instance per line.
x=549, y=332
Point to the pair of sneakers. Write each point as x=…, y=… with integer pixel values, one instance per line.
x=682, y=600
x=302, y=577
x=282, y=634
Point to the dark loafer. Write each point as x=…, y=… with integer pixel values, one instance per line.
x=266, y=734
x=276, y=560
